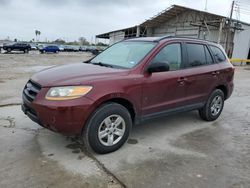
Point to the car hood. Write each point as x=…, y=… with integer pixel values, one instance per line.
x=74, y=74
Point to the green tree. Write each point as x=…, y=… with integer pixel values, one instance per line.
x=83, y=41
x=37, y=33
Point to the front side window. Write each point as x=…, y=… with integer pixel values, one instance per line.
x=218, y=54
x=170, y=54
x=125, y=54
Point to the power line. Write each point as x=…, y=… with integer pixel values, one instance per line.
x=242, y=7
x=243, y=3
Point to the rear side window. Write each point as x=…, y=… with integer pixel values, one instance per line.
x=218, y=54
x=196, y=55
x=170, y=54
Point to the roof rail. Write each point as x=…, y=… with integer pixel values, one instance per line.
x=182, y=37
x=165, y=37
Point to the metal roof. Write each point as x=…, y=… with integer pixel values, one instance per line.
x=106, y=35
x=166, y=15
x=171, y=12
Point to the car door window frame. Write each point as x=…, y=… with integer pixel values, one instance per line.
x=186, y=61
x=211, y=55
x=165, y=45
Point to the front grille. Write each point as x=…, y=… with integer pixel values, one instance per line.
x=30, y=91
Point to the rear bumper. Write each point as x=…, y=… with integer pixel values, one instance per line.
x=230, y=89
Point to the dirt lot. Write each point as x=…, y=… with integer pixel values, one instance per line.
x=177, y=151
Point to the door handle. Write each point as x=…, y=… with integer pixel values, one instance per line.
x=215, y=73
x=182, y=80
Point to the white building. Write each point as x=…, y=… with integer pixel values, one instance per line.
x=176, y=20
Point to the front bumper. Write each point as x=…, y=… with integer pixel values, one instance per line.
x=30, y=113
x=65, y=117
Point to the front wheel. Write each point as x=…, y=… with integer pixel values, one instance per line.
x=108, y=128
x=213, y=107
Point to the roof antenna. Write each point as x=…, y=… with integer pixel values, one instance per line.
x=206, y=6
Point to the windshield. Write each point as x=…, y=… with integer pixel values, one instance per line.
x=125, y=54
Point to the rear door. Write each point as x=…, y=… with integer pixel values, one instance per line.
x=226, y=68
x=202, y=72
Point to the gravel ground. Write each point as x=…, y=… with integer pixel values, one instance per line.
x=177, y=151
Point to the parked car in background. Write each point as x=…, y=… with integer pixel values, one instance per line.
x=89, y=48
x=68, y=48
x=71, y=48
x=33, y=46
x=82, y=48
x=17, y=46
x=92, y=49
x=76, y=48
x=61, y=48
x=129, y=83
x=50, y=49
x=95, y=51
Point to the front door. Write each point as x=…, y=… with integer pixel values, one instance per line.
x=165, y=90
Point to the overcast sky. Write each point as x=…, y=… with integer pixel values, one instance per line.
x=71, y=19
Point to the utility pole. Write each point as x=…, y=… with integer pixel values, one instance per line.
x=206, y=6
x=232, y=10
x=220, y=30
x=228, y=37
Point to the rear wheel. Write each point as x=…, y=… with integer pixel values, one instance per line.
x=213, y=107
x=108, y=128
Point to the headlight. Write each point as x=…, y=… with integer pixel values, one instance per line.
x=66, y=93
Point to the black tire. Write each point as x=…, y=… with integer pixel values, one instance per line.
x=8, y=50
x=91, y=129
x=206, y=112
x=26, y=51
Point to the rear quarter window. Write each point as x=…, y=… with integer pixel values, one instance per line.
x=218, y=54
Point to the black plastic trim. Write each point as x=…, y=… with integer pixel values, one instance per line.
x=168, y=112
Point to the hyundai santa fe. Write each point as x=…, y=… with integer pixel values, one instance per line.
x=128, y=83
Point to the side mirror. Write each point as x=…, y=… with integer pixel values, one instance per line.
x=158, y=67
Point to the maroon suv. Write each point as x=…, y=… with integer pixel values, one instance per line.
x=130, y=82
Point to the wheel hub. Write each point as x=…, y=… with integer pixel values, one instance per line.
x=111, y=130
x=216, y=105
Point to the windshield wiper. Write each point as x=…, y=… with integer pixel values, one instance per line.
x=102, y=64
